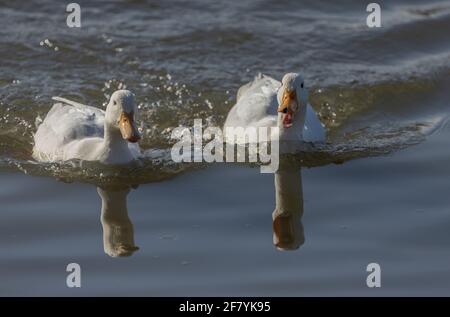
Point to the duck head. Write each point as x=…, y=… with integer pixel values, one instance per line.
x=292, y=100
x=120, y=114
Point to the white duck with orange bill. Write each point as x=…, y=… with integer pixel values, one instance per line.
x=75, y=131
x=265, y=102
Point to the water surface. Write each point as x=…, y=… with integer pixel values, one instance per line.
x=207, y=229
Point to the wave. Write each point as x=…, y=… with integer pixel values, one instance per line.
x=376, y=91
x=362, y=120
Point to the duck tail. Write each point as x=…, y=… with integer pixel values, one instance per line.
x=69, y=102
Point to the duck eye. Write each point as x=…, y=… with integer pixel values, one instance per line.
x=285, y=110
x=115, y=103
x=301, y=85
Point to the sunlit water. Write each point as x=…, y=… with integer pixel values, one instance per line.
x=205, y=230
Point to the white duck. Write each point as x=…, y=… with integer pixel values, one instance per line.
x=75, y=131
x=265, y=102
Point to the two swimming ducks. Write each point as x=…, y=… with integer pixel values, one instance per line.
x=75, y=131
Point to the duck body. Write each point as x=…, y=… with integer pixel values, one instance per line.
x=257, y=106
x=75, y=131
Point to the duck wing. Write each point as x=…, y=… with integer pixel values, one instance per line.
x=256, y=103
x=67, y=121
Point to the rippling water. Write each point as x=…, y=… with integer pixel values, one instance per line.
x=186, y=59
x=376, y=90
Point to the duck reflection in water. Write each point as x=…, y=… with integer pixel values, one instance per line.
x=118, y=232
x=288, y=233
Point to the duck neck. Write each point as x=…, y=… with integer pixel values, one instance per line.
x=113, y=141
